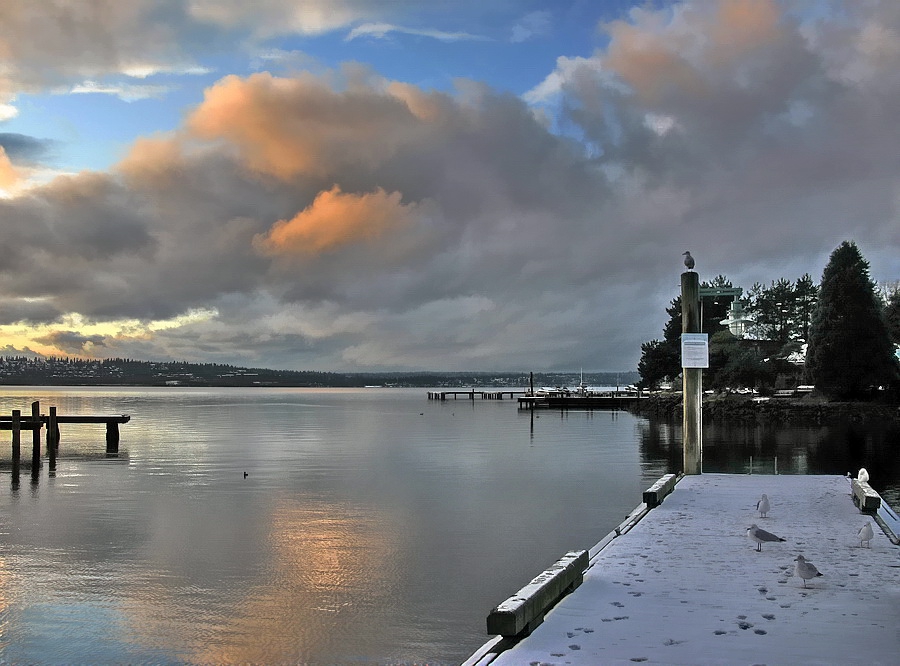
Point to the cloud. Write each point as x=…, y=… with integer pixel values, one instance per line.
x=339, y=220
x=28, y=311
x=335, y=219
x=125, y=92
x=533, y=24
x=273, y=17
x=9, y=175
x=73, y=342
x=11, y=350
x=301, y=126
x=382, y=30
x=50, y=46
x=24, y=147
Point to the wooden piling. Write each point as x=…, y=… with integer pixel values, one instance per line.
x=692, y=377
x=52, y=438
x=112, y=437
x=36, y=437
x=16, y=441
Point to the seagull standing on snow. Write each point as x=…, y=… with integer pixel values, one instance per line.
x=805, y=570
x=866, y=535
x=688, y=260
x=758, y=536
x=863, y=475
x=763, y=505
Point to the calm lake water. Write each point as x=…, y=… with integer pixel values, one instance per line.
x=372, y=527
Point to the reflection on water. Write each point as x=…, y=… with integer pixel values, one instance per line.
x=329, y=526
x=326, y=569
x=778, y=448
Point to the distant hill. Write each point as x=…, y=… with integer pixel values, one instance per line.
x=53, y=371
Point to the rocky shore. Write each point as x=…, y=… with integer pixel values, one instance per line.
x=788, y=410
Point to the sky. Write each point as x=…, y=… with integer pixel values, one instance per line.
x=448, y=185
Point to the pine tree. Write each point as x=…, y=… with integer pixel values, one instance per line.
x=850, y=351
x=892, y=315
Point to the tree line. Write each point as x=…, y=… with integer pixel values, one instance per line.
x=840, y=335
x=74, y=371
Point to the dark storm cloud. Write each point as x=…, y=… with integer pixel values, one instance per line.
x=72, y=342
x=23, y=148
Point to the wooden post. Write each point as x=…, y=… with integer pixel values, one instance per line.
x=36, y=437
x=16, y=441
x=52, y=438
x=692, y=377
x=112, y=437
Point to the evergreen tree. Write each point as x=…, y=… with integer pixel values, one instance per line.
x=661, y=359
x=849, y=351
x=806, y=294
x=892, y=315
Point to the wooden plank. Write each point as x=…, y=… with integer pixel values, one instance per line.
x=73, y=418
x=655, y=494
x=88, y=418
x=24, y=424
x=864, y=496
x=522, y=612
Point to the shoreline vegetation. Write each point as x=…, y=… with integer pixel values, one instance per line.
x=806, y=409
x=62, y=371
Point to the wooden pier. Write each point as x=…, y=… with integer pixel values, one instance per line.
x=679, y=582
x=35, y=422
x=469, y=394
x=579, y=401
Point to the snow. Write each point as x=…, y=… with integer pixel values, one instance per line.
x=686, y=585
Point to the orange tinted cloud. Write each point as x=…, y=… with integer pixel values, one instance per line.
x=9, y=176
x=300, y=126
x=153, y=159
x=336, y=219
x=744, y=26
x=654, y=57
x=648, y=64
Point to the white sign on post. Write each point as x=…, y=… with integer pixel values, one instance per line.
x=694, y=350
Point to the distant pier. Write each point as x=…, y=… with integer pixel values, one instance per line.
x=554, y=400
x=579, y=401
x=470, y=394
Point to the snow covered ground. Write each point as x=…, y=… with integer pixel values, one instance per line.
x=686, y=585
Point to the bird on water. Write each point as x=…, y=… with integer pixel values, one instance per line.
x=758, y=536
x=688, y=260
x=805, y=570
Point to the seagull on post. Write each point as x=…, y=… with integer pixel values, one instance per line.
x=758, y=535
x=805, y=570
x=866, y=534
x=688, y=260
x=863, y=475
x=763, y=505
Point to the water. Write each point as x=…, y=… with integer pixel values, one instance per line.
x=372, y=527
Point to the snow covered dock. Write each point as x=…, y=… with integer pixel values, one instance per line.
x=684, y=584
